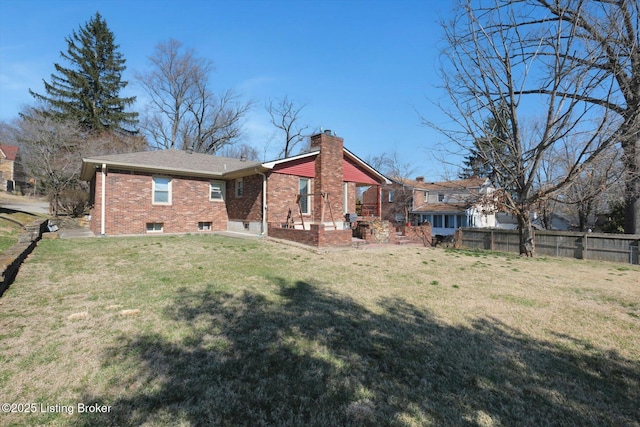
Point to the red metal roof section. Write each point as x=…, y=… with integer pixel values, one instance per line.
x=10, y=151
x=300, y=167
x=352, y=172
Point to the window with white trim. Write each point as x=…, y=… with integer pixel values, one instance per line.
x=391, y=196
x=217, y=190
x=161, y=190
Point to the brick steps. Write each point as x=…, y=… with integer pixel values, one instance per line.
x=402, y=239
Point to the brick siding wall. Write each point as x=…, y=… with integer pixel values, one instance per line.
x=329, y=174
x=248, y=207
x=282, y=190
x=129, y=205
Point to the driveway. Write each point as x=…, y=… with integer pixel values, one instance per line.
x=34, y=207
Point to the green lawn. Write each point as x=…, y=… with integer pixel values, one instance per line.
x=206, y=330
x=11, y=223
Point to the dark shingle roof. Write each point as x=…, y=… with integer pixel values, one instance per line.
x=458, y=184
x=169, y=161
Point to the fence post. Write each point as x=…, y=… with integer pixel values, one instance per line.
x=585, y=242
x=491, y=241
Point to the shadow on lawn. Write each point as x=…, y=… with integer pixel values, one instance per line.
x=316, y=358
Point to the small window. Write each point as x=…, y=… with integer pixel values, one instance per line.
x=155, y=227
x=437, y=221
x=441, y=197
x=449, y=221
x=345, y=197
x=391, y=196
x=216, y=190
x=239, y=187
x=204, y=226
x=161, y=190
x=304, y=195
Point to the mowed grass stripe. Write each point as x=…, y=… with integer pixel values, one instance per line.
x=207, y=330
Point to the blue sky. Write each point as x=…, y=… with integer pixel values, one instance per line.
x=362, y=68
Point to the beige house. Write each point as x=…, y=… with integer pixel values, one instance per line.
x=12, y=176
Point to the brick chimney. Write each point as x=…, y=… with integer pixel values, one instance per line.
x=420, y=178
x=329, y=174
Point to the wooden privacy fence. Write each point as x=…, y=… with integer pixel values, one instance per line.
x=567, y=244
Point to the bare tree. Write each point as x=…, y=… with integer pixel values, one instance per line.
x=52, y=152
x=215, y=121
x=286, y=116
x=605, y=39
x=240, y=151
x=399, y=172
x=491, y=60
x=589, y=192
x=183, y=113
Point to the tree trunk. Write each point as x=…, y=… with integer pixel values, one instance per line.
x=525, y=229
x=632, y=188
x=632, y=210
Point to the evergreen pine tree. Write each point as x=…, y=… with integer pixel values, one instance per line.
x=88, y=91
x=489, y=154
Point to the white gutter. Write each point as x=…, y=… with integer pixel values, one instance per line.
x=264, y=203
x=103, y=206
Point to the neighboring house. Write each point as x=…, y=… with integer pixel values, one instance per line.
x=508, y=221
x=446, y=205
x=12, y=175
x=175, y=191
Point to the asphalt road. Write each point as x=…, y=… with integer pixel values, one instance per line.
x=30, y=207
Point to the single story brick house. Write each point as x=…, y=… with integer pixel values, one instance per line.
x=304, y=198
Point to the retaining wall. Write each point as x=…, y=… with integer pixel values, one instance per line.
x=12, y=258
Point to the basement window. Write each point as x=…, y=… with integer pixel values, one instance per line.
x=204, y=226
x=155, y=227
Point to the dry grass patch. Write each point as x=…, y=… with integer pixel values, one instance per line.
x=208, y=330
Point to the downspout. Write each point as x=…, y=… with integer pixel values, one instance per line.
x=264, y=202
x=103, y=203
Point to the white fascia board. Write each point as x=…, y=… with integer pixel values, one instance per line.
x=273, y=163
x=87, y=163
